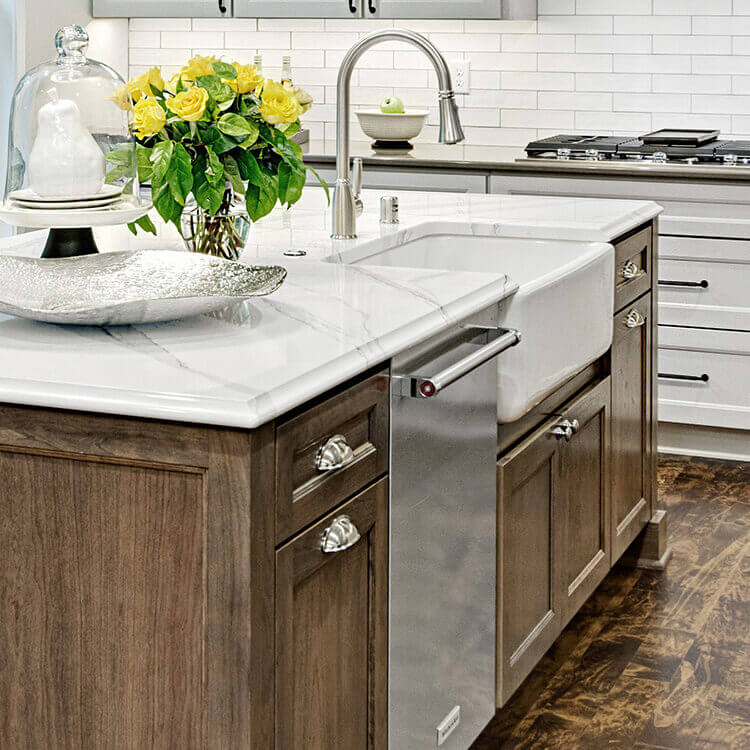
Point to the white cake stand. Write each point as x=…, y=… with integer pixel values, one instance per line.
x=70, y=230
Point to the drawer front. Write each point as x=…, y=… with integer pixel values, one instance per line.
x=703, y=248
x=704, y=294
x=305, y=490
x=632, y=267
x=707, y=388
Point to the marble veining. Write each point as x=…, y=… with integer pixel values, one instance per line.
x=247, y=364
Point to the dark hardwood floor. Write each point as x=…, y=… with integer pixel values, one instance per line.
x=655, y=660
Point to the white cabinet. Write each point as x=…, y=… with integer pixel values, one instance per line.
x=519, y=9
x=161, y=8
x=433, y=8
x=298, y=8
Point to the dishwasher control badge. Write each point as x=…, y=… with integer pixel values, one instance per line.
x=448, y=724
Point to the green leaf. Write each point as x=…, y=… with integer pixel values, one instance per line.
x=322, y=182
x=232, y=173
x=288, y=150
x=214, y=168
x=156, y=92
x=224, y=70
x=236, y=125
x=120, y=156
x=214, y=138
x=291, y=184
x=179, y=174
x=290, y=129
x=216, y=88
x=262, y=188
x=166, y=205
x=161, y=158
x=117, y=173
x=144, y=223
x=143, y=158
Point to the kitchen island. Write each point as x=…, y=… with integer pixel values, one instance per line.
x=163, y=500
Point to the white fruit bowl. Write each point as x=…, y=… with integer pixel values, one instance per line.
x=382, y=126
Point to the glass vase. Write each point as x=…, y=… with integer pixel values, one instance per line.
x=222, y=234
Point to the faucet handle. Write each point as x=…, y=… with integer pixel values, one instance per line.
x=357, y=176
x=357, y=186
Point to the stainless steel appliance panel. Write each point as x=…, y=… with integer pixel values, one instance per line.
x=443, y=551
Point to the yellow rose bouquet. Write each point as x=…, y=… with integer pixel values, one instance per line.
x=216, y=131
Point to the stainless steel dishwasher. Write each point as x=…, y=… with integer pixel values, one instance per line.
x=443, y=539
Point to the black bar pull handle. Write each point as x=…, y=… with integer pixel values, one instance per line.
x=222, y=7
x=352, y=6
x=371, y=7
x=703, y=284
x=692, y=378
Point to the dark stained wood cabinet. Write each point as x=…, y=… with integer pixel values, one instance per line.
x=553, y=549
x=332, y=633
x=146, y=603
x=529, y=606
x=585, y=499
x=631, y=423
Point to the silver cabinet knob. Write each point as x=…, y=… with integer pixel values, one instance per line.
x=634, y=319
x=631, y=271
x=334, y=454
x=565, y=429
x=340, y=535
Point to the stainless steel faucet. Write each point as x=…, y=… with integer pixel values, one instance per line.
x=347, y=204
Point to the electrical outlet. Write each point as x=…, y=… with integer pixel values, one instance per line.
x=461, y=73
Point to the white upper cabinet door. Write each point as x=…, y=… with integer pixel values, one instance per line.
x=298, y=8
x=432, y=8
x=464, y=9
x=161, y=8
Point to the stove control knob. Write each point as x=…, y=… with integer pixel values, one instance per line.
x=730, y=160
x=563, y=154
x=660, y=157
x=593, y=154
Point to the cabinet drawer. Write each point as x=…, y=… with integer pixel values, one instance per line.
x=632, y=267
x=305, y=492
x=704, y=294
x=703, y=385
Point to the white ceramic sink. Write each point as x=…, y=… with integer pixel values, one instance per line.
x=563, y=307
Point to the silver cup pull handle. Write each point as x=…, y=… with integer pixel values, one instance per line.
x=340, y=535
x=565, y=429
x=631, y=271
x=634, y=319
x=334, y=454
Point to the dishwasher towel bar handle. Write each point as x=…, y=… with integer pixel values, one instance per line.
x=499, y=339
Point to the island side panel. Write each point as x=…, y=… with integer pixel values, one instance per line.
x=132, y=609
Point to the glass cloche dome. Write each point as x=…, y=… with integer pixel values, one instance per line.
x=70, y=139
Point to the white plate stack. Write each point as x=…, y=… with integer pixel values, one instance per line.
x=108, y=196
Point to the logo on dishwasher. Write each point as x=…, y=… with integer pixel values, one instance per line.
x=448, y=724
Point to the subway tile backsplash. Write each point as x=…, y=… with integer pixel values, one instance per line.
x=602, y=66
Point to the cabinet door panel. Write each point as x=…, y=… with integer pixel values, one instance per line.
x=529, y=611
x=631, y=427
x=331, y=633
x=298, y=8
x=433, y=8
x=161, y=8
x=585, y=498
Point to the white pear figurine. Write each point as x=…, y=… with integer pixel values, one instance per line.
x=65, y=161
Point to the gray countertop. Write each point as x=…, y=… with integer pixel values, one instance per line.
x=432, y=156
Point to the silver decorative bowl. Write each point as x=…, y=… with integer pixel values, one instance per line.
x=126, y=288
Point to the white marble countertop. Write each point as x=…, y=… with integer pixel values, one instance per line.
x=328, y=322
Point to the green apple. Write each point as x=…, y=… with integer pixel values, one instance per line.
x=392, y=105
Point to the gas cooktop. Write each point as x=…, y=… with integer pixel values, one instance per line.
x=660, y=147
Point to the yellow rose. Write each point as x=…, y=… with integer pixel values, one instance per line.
x=248, y=79
x=199, y=66
x=148, y=118
x=174, y=80
x=140, y=86
x=189, y=105
x=121, y=97
x=303, y=98
x=278, y=104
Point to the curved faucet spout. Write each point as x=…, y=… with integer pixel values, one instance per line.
x=344, y=204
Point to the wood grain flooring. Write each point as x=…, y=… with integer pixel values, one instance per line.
x=654, y=660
